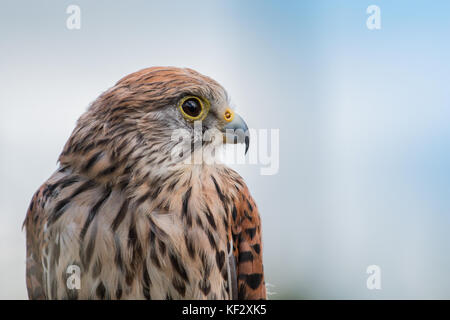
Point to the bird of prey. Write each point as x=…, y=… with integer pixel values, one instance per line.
x=137, y=222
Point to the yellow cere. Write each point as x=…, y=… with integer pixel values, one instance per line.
x=228, y=115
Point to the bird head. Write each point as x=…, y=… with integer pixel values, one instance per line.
x=131, y=125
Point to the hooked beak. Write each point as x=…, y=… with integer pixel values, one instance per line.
x=236, y=131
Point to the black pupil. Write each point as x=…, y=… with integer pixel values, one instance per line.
x=192, y=107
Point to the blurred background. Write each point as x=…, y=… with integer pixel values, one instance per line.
x=363, y=116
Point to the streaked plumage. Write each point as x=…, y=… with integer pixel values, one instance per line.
x=139, y=224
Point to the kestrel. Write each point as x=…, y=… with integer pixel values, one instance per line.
x=137, y=221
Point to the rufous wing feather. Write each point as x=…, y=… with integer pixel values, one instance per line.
x=247, y=248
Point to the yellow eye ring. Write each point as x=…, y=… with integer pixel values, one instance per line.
x=228, y=115
x=194, y=108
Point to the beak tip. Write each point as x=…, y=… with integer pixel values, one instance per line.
x=237, y=131
x=247, y=143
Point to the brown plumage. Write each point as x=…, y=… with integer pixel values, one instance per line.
x=138, y=222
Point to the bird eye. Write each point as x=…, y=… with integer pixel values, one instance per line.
x=193, y=108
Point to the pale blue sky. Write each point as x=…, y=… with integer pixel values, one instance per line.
x=363, y=116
